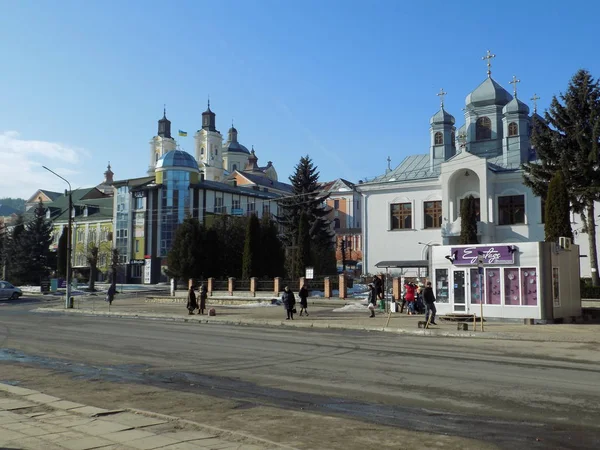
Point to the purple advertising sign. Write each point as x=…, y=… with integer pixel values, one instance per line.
x=491, y=254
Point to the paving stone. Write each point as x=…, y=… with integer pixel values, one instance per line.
x=36, y=443
x=9, y=404
x=64, y=436
x=128, y=435
x=89, y=410
x=16, y=390
x=9, y=417
x=42, y=398
x=189, y=435
x=51, y=427
x=100, y=427
x=86, y=443
x=213, y=444
x=136, y=420
x=34, y=430
x=151, y=442
x=70, y=421
x=65, y=404
x=17, y=425
x=7, y=435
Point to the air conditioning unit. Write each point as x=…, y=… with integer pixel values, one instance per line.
x=564, y=243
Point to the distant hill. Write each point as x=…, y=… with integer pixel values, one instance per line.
x=17, y=203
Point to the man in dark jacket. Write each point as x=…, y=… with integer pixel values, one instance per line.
x=429, y=298
x=289, y=302
x=372, y=300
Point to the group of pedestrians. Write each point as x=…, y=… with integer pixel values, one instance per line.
x=412, y=296
x=192, y=301
x=289, y=301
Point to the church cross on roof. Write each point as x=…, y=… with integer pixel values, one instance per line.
x=489, y=57
x=441, y=95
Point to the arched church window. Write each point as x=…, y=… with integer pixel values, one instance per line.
x=156, y=157
x=453, y=139
x=483, y=128
x=202, y=151
x=513, y=129
x=438, y=138
x=234, y=167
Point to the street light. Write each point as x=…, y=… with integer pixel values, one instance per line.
x=68, y=303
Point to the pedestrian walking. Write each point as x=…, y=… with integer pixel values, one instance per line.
x=110, y=294
x=409, y=295
x=289, y=302
x=203, y=294
x=372, y=299
x=378, y=284
x=429, y=298
x=192, y=304
x=303, y=294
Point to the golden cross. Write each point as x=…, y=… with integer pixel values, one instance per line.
x=489, y=57
x=514, y=83
x=535, y=98
x=441, y=95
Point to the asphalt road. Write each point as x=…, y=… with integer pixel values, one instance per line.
x=511, y=394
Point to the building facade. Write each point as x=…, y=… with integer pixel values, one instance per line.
x=417, y=205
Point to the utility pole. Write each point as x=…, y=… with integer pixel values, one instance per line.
x=68, y=303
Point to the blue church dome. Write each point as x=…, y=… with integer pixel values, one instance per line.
x=176, y=158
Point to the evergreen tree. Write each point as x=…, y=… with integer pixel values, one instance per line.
x=306, y=197
x=13, y=250
x=271, y=248
x=251, y=266
x=61, y=253
x=31, y=258
x=92, y=259
x=230, y=253
x=184, y=258
x=468, y=221
x=570, y=141
x=302, y=251
x=211, y=254
x=557, y=220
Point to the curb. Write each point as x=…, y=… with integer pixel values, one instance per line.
x=101, y=412
x=318, y=325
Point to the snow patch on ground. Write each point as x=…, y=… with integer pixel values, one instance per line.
x=256, y=305
x=352, y=307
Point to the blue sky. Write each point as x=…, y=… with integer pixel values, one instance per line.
x=347, y=82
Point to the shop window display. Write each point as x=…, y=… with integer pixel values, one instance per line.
x=476, y=294
x=493, y=286
x=511, y=287
x=441, y=284
x=529, y=283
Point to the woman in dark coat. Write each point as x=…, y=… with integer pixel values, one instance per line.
x=203, y=295
x=289, y=302
x=191, y=302
x=303, y=294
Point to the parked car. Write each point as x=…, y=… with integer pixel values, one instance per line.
x=8, y=291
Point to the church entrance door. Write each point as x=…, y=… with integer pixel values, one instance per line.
x=459, y=281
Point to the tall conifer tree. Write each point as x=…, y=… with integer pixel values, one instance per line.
x=569, y=140
x=468, y=221
x=251, y=266
x=557, y=220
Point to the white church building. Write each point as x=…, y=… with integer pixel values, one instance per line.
x=416, y=206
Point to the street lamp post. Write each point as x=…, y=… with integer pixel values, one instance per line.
x=68, y=303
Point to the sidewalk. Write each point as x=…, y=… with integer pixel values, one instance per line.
x=328, y=314
x=33, y=420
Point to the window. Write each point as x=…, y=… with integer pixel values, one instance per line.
x=336, y=224
x=202, y=151
x=235, y=204
x=511, y=209
x=477, y=208
x=433, y=214
x=138, y=203
x=336, y=204
x=438, y=138
x=136, y=271
x=234, y=167
x=401, y=216
x=453, y=139
x=218, y=205
x=251, y=207
x=358, y=205
x=513, y=129
x=483, y=128
x=441, y=285
x=266, y=209
x=137, y=245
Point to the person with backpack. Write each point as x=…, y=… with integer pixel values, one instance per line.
x=429, y=298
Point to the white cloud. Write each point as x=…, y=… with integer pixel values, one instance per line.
x=21, y=161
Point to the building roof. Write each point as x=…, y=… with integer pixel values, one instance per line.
x=224, y=187
x=100, y=207
x=50, y=194
x=134, y=182
x=516, y=106
x=414, y=167
x=488, y=93
x=263, y=181
x=442, y=117
x=176, y=158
